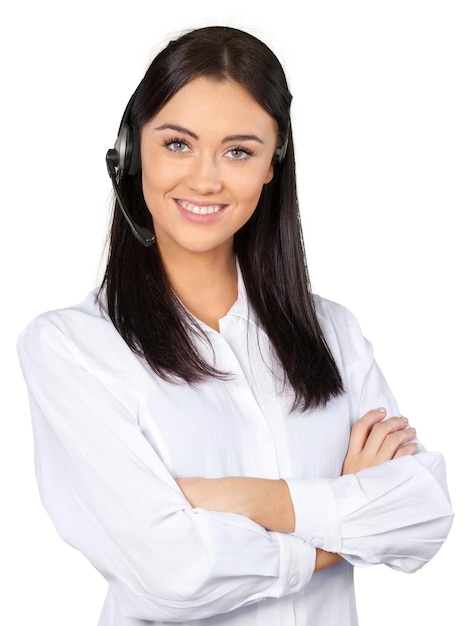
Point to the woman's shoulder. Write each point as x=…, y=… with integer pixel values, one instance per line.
x=82, y=322
x=341, y=329
x=330, y=312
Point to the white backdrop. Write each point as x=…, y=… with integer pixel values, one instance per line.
x=378, y=117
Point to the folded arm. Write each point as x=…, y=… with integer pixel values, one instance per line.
x=267, y=502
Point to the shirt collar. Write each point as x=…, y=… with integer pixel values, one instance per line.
x=241, y=307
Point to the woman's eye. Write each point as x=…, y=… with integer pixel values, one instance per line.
x=176, y=145
x=239, y=154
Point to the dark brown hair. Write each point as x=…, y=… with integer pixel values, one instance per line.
x=269, y=246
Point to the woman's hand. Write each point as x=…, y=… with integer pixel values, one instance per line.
x=374, y=441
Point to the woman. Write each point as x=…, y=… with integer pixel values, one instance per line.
x=206, y=429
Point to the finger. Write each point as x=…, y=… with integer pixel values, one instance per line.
x=407, y=449
x=362, y=428
x=397, y=440
x=382, y=431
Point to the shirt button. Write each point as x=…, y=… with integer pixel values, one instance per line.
x=294, y=581
x=317, y=542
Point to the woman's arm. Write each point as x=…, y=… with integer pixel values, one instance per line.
x=111, y=496
x=268, y=502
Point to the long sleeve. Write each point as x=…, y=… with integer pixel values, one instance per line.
x=110, y=496
x=397, y=513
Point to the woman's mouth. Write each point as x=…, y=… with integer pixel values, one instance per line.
x=200, y=209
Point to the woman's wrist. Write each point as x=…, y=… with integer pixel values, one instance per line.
x=325, y=559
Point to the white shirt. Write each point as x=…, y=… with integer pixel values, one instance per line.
x=111, y=437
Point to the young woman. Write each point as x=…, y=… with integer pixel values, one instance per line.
x=206, y=428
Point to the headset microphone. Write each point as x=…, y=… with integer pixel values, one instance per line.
x=143, y=235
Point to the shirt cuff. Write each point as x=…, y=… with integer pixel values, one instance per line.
x=317, y=518
x=297, y=564
x=395, y=512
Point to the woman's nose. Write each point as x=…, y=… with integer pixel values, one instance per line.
x=204, y=177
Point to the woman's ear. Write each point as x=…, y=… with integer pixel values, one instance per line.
x=269, y=175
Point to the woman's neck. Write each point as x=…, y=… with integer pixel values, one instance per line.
x=205, y=283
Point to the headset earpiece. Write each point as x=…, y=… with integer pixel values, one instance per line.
x=126, y=152
x=127, y=147
x=280, y=152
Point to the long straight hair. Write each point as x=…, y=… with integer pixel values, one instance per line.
x=269, y=247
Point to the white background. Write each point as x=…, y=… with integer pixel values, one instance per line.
x=379, y=108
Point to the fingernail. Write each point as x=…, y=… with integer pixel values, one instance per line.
x=381, y=409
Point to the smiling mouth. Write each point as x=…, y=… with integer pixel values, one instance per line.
x=200, y=210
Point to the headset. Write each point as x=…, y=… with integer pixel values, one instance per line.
x=124, y=158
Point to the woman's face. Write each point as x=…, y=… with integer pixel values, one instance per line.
x=205, y=158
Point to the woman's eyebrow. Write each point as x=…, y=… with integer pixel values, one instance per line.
x=186, y=131
x=179, y=129
x=242, y=138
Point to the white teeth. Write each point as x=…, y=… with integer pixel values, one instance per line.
x=200, y=210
